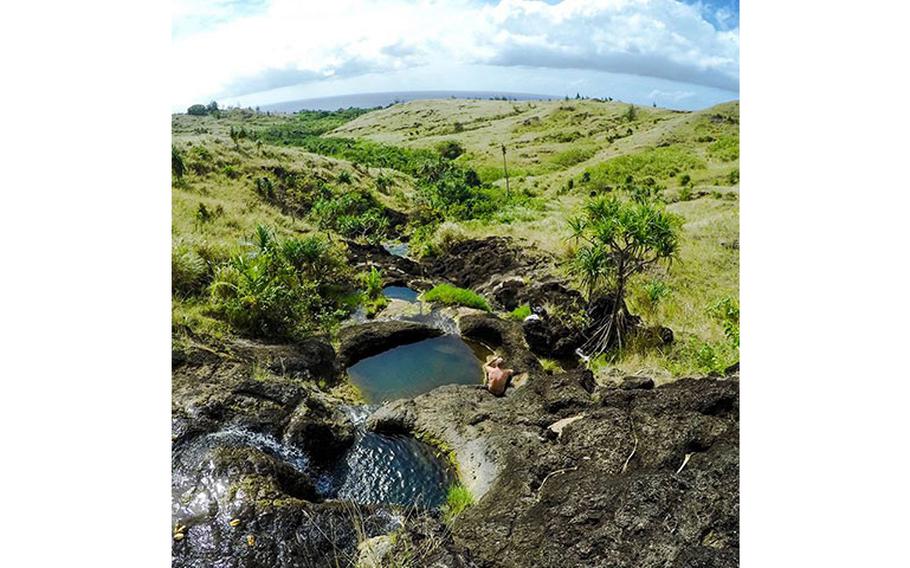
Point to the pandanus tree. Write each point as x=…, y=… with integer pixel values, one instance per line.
x=619, y=237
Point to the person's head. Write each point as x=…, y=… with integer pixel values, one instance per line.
x=496, y=361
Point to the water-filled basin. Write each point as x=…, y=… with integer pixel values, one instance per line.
x=400, y=293
x=409, y=370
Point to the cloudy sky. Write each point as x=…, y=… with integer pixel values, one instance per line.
x=680, y=54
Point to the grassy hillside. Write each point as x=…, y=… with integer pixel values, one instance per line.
x=351, y=172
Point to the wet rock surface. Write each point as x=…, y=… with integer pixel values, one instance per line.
x=358, y=342
x=613, y=487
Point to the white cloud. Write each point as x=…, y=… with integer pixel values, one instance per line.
x=658, y=95
x=291, y=42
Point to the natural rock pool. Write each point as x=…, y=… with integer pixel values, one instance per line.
x=400, y=293
x=409, y=370
x=378, y=469
x=388, y=469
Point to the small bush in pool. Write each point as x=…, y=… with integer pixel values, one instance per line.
x=458, y=499
x=455, y=296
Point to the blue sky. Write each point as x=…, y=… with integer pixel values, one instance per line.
x=251, y=52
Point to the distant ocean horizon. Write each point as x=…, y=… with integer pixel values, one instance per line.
x=371, y=100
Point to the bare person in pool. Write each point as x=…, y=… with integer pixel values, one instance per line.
x=497, y=377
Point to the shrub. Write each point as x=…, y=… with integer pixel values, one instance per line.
x=521, y=312
x=383, y=183
x=197, y=110
x=651, y=295
x=344, y=177
x=684, y=179
x=280, y=289
x=707, y=359
x=458, y=498
x=725, y=148
x=189, y=271
x=685, y=193
x=353, y=214
x=726, y=311
x=449, y=149
x=373, y=298
x=203, y=215
x=177, y=166
x=452, y=295
x=446, y=236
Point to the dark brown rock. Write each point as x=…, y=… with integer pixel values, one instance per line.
x=359, y=341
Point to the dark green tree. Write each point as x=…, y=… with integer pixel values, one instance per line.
x=197, y=110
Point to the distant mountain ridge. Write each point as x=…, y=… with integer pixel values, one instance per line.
x=370, y=100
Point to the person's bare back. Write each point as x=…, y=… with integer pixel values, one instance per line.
x=497, y=377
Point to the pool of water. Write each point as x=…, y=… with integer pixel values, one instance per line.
x=409, y=370
x=378, y=469
x=388, y=469
x=396, y=249
x=400, y=293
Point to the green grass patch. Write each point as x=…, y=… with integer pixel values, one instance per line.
x=359, y=151
x=573, y=156
x=520, y=313
x=458, y=498
x=725, y=148
x=550, y=366
x=455, y=296
x=659, y=163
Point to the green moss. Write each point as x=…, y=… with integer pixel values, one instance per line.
x=443, y=450
x=455, y=296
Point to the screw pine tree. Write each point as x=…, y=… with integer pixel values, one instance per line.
x=618, y=238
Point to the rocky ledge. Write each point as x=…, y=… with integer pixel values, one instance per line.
x=357, y=342
x=566, y=473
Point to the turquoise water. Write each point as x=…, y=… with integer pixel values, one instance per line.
x=400, y=293
x=409, y=370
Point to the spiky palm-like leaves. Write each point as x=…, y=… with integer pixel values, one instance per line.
x=619, y=237
x=280, y=287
